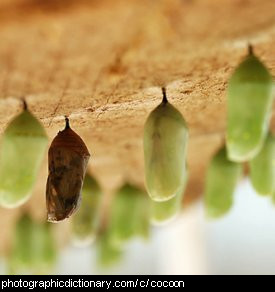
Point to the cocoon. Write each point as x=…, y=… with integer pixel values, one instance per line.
x=23, y=147
x=249, y=101
x=68, y=158
x=165, y=145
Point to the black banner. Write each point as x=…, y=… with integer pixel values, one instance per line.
x=144, y=281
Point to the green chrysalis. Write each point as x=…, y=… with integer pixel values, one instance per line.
x=165, y=145
x=33, y=247
x=163, y=212
x=85, y=221
x=20, y=259
x=107, y=253
x=129, y=216
x=221, y=180
x=141, y=215
x=249, y=109
x=22, y=150
x=44, y=248
x=262, y=168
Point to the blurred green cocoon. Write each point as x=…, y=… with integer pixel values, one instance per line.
x=164, y=212
x=23, y=146
x=33, y=249
x=221, y=180
x=85, y=221
x=262, y=168
x=249, y=101
x=107, y=253
x=129, y=215
x=165, y=147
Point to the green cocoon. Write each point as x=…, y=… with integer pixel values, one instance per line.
x=129, y=215
x=249, y=101
x=262, y=168
x=107, y=253
x=85, y=222
x=20, y=259
x=33, y=247
x=221, y=180
x=165, y=147
x=163, y=212
x=44, y=248
x=24, y=143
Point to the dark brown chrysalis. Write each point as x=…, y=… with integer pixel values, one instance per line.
x=68, y=158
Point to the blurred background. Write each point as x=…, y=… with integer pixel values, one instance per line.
x=102, y=63
x=241, y=242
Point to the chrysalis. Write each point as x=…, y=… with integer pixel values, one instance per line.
x=141, y=214
x=107, y=253
x=68, y=159
x=44, y=248
x=221, y=180
x=85, y=222
x=33, y=249
x=23, y=146
x=163, y=212
x=262, y=168
x=165, y=145
x=129, y=216
x=249, y=109
x=20, y=259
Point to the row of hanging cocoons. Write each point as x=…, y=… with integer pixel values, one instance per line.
x=248, y=139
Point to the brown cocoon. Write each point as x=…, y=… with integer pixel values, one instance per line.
x=68, y=158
